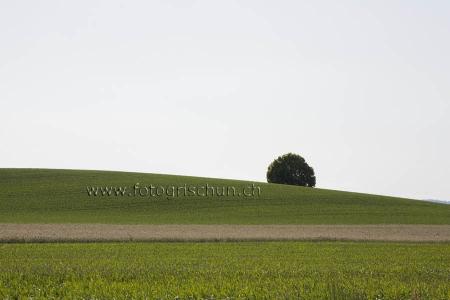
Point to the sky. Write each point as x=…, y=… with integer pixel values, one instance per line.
x=360, y=89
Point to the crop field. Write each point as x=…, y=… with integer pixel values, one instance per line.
x=246, y=270
x=257, y=247
x=60, y=196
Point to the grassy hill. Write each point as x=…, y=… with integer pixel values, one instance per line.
x=61, y=196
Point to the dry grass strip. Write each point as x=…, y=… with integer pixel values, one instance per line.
x=109, y=232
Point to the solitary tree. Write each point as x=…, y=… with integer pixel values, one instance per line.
x=291, y=169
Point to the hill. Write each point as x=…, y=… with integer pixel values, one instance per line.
x=68, y=196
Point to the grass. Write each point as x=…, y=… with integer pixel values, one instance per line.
x=234, y=270
x=246, y=270
x=60, y=196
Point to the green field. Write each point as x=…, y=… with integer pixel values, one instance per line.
x=60, y=196
x=270, y=270
x=237, y=270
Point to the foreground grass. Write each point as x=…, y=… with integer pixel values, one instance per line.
x=271, y=270
x=60, y=196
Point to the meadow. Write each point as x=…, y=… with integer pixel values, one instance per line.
x=60, y=196
x=211, y=270
x=246, y=270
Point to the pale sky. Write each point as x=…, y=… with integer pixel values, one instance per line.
x=361, y=89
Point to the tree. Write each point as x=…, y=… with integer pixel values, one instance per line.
x=291, y=169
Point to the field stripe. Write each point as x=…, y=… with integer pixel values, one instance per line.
x=109, y=232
